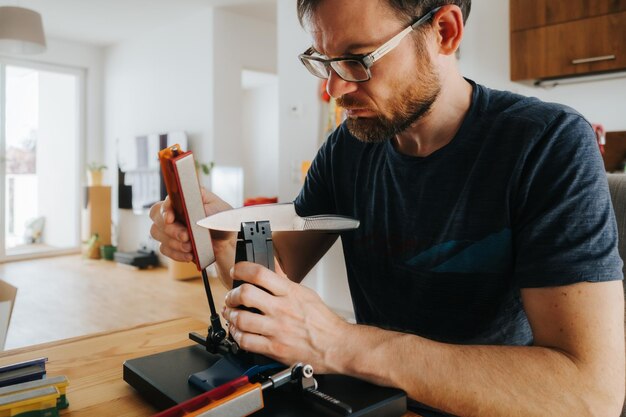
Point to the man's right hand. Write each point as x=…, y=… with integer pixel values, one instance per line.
x=173, y=236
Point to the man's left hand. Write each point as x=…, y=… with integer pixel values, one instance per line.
x=296, y=325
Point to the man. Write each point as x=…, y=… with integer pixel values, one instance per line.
x=484, y=275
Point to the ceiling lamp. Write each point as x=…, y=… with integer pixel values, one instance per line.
x=21, y=31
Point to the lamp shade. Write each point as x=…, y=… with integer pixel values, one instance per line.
x=21, y=31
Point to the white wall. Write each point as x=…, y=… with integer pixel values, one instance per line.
x=183, y=76
x=259, y=115
x=485, y=59
x=240, y=43
x=299, y=132
x=158, y=83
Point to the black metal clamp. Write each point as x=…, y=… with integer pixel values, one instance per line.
x=254, y=244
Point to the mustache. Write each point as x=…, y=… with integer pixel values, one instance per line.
x=350, y=102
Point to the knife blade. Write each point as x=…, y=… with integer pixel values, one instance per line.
x=282, y=218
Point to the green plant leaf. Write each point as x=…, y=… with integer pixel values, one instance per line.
x=95, y=166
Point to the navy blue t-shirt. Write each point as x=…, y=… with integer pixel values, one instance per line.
x=518, y=199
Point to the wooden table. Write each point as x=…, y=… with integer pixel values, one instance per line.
x=93, y=365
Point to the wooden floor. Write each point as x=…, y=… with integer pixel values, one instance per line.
x=70, y=296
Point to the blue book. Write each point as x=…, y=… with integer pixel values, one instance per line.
x=22, y=372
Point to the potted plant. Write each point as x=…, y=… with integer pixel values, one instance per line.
x=94, y=173
x=203, y=168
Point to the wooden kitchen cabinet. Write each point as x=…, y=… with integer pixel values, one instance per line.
x=556, y=38
x=528, y=14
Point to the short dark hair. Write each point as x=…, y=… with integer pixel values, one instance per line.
x=407, y=9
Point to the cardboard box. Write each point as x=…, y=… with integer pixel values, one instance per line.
x=7, y=300
x=183, y=270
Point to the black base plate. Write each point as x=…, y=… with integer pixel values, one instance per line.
x=162, y=380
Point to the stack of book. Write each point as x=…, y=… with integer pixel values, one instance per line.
x=26, y=391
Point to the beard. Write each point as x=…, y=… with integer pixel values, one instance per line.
x=411, y=103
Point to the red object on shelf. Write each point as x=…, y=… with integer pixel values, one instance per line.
x=600, y=136
x=253, y=201
x=323, y=92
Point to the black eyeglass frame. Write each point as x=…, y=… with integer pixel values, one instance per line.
x=365, y=60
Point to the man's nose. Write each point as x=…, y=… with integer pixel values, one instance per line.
x=337, y=86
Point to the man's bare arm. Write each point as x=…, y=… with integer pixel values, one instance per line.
x=574, y=368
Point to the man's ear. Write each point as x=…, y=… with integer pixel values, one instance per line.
x=448, y=23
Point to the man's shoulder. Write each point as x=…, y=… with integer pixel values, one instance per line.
x=526, y=120
x=519, y=109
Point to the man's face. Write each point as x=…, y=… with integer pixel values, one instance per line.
x=404, y=83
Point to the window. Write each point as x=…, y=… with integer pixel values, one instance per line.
x=41, y=150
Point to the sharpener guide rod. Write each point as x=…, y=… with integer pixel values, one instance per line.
x=209, y=294
x=299, y=370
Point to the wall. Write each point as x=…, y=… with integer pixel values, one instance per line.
x=184, y=76
x=260, y=140
x=299, y=105
x=240, y=43
x=300, y=136
x=485, y=59
x=159, y=82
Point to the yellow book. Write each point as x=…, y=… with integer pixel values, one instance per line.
x=60, y=382
x=41, y=402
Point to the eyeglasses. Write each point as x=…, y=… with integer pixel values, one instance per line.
x=356, y=68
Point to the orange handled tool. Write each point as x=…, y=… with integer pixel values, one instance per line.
x=239, y=397
x=236, y=398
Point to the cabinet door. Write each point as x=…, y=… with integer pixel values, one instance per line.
x=527, y=14
x=581, y=47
